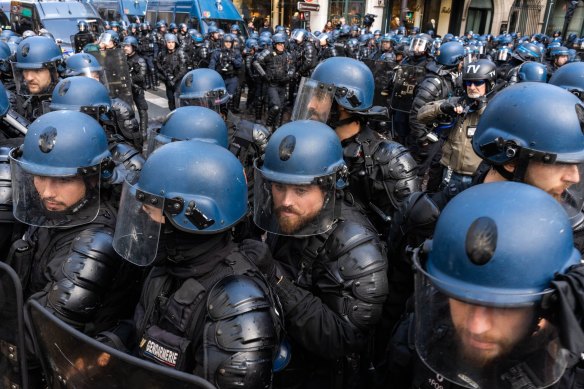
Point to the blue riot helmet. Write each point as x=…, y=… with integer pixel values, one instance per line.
x=278, y=38
x=236, y=28
x=172, y=26
x=299, y=35
x=450, y=54
x=36, y=65
x=345, y=30
x=421, y=44
x=346, y=81
x=205, y=88
x=83, y=94
x=130, y=41
x=302, y=156
x=170, y=38
x=186, y=123
x=229, y=38
x=195, y=186
x=198, y=38
x=114, y=24
x=109, y=39
x=335, y=34
x=532, y=123
x=504, y=40
x=571, y=78
x=527, y=51
x=161, y=24
x=56, y=173
x=82, y=26
x=83, y=64
x=254, y=35
x=532, y=72
x=401, y=30
x=483, y=266
x=557, y=52
x=5, y=34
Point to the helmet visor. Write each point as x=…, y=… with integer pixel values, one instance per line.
x=480, y=346
x=294, y=209
x=211, y=99
x=502, y=55
x=572, y=198
x=418, y=45
x=140, y=218
x=155, y=140
x=61, y=201
x=313, y=101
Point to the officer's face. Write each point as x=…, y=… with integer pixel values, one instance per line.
x=561, y=60
x=553, y=178
x=37, y=80
x=386, y=46
x=128, y=49
x=280, y=47
x=59, y=193
x=170, y=45
x=296, y=205
x=228, y=45
x=319, y=108
x=154, y=213
x=486, y=333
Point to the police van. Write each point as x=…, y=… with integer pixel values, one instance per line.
x=196, y=14
x=60, y=18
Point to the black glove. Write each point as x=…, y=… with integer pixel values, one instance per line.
x=260, y=254
x=447, y=108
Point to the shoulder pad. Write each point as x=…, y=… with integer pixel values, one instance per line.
x=234, y=295
x=125, y=154
x=421, y=210
x=431, y=84
x=398, y=157
x=122, y=108
x=94, y=243
x=357, y=248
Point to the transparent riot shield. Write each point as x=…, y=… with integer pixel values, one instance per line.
x=406, y=77
x=13, y=366
x=117, y=73
x=71, y=359
x=382, y=72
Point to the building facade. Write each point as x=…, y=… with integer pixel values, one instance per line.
x=457, y=17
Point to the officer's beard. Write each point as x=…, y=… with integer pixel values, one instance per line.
x=289, y=225
x=80, y=213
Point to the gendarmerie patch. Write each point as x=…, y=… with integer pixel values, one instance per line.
x=159, y=353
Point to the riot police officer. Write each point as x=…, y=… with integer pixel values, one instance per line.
x=382, y=173
x=276, y=67
x=559, y=57
x=57, y=177
x=181, y=215
x=486, y=316
x=35, y=74
x=83, y=36
x=171, y=66
x=146, y=41
x=83, y=64
x=227, y=61
x=138, y=72
x=315, y=273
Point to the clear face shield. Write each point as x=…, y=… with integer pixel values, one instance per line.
x=299, y=209
x=418, y=46
x=106, y=41
x=61, y=200
x=572, y=198
x=211, y=99
x=156, y=140
x=476, y=345
x=313, y=101
x=503, y=54
x=35, y=82
x=139, y=222
x=98, y=75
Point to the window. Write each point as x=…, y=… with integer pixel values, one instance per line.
x=352, y=10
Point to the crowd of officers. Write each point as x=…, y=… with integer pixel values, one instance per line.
x=393, y=210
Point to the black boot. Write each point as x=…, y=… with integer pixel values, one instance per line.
x=272, y=118
x=148, y=82
x=154, y=82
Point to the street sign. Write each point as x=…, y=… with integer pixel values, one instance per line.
x=303, y=6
